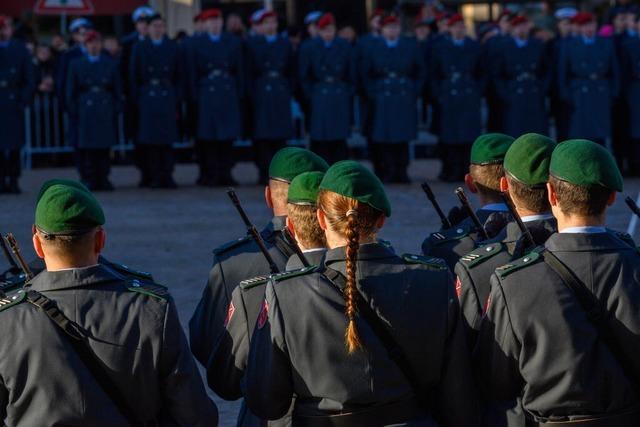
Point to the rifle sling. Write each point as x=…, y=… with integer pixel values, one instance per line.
x=78, y=339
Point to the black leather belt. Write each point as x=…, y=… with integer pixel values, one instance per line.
x=392, y=413
x=629, y=419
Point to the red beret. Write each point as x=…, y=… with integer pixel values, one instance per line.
x=377, y=13
x=91, y=35
x=4, y=20
x=326, y=20
x=454, y=19
x=519, y=19
x=265, y=15
x=389, y=19
x=210, y=14
x=582, y=18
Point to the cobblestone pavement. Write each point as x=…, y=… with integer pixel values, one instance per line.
x=171, y=232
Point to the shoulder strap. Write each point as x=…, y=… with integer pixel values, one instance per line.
x=395, y=351
x=594, y=312
x=78, y=339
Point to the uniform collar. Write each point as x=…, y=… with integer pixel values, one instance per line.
x=73, y=278
x=214, y=38
x=585, y=242
x=391, y=43
x=539, y=217
x=458, y=43
x=585, y=230
x=495, y=207
x=367, y=252
x=314, y=257
x=5, y=43
x=156, y=42
x=546, y=225
x=588, y=41
x=521, y=42
x=271, y=39
x=93, y=59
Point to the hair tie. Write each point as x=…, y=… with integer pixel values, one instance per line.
x=352, y=212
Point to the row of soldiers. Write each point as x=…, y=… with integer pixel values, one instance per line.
x=235, y=88
x=314, y=321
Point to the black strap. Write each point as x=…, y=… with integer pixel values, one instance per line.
x=594, y=312
x=283, y=246
x=78, y=339
x=395, y=351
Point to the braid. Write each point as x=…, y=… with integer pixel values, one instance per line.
x=351, y=291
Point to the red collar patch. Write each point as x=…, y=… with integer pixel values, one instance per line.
x=264, y=314
x=458, y=287
x=230, y=311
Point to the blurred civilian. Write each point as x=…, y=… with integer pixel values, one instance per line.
x=349, y=34
x=112, y=47
x=235, y=26
x=58, y=44
x=45, y=67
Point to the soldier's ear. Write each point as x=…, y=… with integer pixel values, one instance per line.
x=471, y=185
x=551, y=195
x=37, y=245
x=612, y=198
x=290, y=227
x=380, y=221
x=504, y=184
x=268, y=197
x=100, y=240
x=322, y=219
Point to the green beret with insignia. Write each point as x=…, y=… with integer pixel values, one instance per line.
x=528, y=158
x=67, y=210
x=490, y=148
x=585, y=163
x=290, y=162
x=351, y=179
x=304, y=188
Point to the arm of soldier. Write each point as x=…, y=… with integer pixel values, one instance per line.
x=118, y=91
x=352, y=67
x=470, y=304
x=133, y=73
x=615, y=72
x=456, y=397
x=421, y=71
x=191, y=83
x=499, y=76
x=563, y=77
x=228, y=359
x=304, y=73
x=268, y=387
x=496, y=353
x=546, y=69
x=4, y=400
x=434, y=76
x=208, y=320
x=184, y=394
x=367, y=74
x=291, y=68
x=241, y=63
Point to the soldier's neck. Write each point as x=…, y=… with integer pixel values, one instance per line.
x=565, y=221
x=57, y=264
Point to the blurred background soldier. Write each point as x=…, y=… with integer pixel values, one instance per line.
x=394, y=74
x=17, y=83
x=521, y=81
x=620, y=137
x=94, y=97
x=270, y=69
x=630, y=93
x=327, y=79
x=215, y=83
x=457, y=85
x=589, y=79
x=155, y=72
x=77, y=28
x=131, y=119
x=491, y=50
x=560, y=110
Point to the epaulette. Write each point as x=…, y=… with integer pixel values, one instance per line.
x=481, y=254
x=432, y=262
x=10, y=300
x=387, y=244
x=293, y=273
x=527, y=260
x=128, y=271
x=253, y=282
x=450, y=235
x=625, y=237
x=230, y=245
x=148, y=288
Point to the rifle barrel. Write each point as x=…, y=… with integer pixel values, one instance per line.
x=13, y=244
x=467, y=206
x=432, y=198
x=512, y=209
x=632, y=205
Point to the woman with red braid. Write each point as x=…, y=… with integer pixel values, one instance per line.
x=368, y=338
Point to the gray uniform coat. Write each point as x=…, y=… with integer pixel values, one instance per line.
x=232, y=263
x=298, y=345
x=537, y=346
x=134, y=330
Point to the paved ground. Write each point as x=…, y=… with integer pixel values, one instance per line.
x=172, y=233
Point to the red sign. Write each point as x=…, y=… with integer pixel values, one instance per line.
x=60, y=7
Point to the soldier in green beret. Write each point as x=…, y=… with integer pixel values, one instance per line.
x=526, y=167
x=228, y=359
x=561, y=334
x=364, y=316
x=483, y=179
x=241, y=259
x=82, y=345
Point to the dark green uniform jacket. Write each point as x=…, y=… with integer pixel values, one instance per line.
x=228, y=359
x=537, y=345
x=134, y=329
x=453, y=243
x=474, y=269
x=298, y=345
x=232, y=263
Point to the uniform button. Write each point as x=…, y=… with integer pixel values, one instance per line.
x=136, y=284
x=414, y=257
x=527, y=259
x=488, y=248
x=459, y=231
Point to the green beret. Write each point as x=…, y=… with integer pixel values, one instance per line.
x=582, y=162
x=304, y=188
x=290, y=162
x=353, y=180
x=490, y=148
x=528, y=158
x=56, y=181
x=67, y=210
